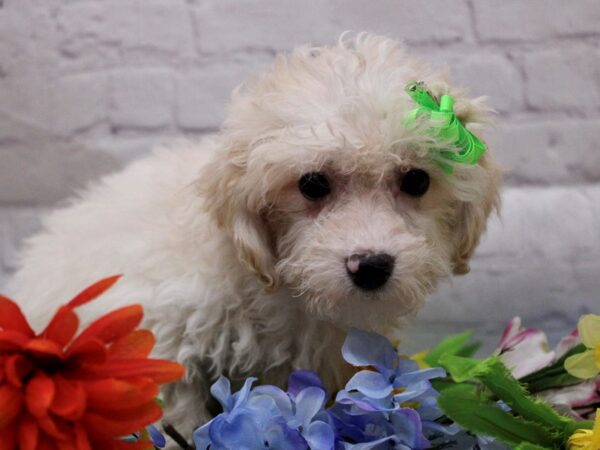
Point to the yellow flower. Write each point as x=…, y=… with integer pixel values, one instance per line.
x=420, y=359
x=586, y=364
x=587, y=439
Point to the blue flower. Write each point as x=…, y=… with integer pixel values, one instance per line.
x=267, y=418
x=390, y=403
x=301, y=379
x=400, y=377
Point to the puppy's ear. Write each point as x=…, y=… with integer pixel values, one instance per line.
x=232, y=207
x=472, y=215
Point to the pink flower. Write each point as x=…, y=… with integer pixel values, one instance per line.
x=524, y=351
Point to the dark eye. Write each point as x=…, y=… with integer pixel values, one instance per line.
x=415, y=182
x=314, y=186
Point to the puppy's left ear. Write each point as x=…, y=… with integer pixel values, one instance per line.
x=235, y=210
x=472, y=216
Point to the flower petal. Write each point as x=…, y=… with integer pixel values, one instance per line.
x=301, y=379
x=157, y=437
x=54, y=426
x=28, y=433
x=113, y=394
x=362, y=348
x=11, y=317
x=308, y=403
x=221, y=390
x=589, y=330
x=11, y=403
x=44, y=348
x=113, y=325
x=93, y=291
x=123, y=423
x=511, y=330
x=407, y=428
x=137, y=344
x=39, y=394
x=371, y=384
x=582, y=394
x=242, y=395
x=282, y=399
x=17, y=367
x=87, y=351
x=70, y=399
x=566, y=344
x=529, y=355
x=582, y=365
x=159, y=370
x=12, y=340
x=81, y=438
x=62, y=327
x=9, y=437
x=320, y=436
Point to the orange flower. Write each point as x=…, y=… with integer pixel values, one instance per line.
x=61, y=392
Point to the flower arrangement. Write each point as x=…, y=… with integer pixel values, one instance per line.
x=440, y=399
x=62, y=391
x=98, y=390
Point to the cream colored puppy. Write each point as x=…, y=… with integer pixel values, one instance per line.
x=315, y=209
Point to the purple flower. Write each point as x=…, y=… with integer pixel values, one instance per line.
x=390, y=403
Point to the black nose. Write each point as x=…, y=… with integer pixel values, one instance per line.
x=370, y=271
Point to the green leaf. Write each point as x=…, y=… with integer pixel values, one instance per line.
x=553, y=381
x=529, y=446
x=464, y=406
x=498, y=379
x=469, y=350
x=451, y=345
x=583, y=425
x=463, y=369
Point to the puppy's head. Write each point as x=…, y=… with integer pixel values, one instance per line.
x=325, y=189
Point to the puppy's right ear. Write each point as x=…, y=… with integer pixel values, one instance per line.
x=231, y=205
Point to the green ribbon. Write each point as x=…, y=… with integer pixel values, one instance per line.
x=445, y=126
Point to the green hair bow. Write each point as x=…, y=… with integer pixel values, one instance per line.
x=445, y=126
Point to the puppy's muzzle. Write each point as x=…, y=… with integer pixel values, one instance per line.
x=370, y=271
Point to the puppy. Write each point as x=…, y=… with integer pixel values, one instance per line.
x=315, y=209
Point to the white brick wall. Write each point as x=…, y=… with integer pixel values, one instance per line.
x=87, y=85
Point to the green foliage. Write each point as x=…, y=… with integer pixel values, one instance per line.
x=466, y=407
x=456, y=344
x=531, y=424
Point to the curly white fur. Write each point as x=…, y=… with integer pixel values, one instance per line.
x=240, y=274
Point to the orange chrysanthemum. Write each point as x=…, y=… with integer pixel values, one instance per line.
x=61, y=392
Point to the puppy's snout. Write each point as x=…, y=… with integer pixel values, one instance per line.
x=370, y=271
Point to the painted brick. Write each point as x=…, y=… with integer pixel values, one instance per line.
x=432, y=21
x=141, y=98
x=514, y=20
x=563, y=79
x=202, y=96
x=80, y=101
x=16, y=224
x=531, y=263
x=37, y=167
x=227, y=25
x=490, y=75
x=548, y=152
x=97, y=31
